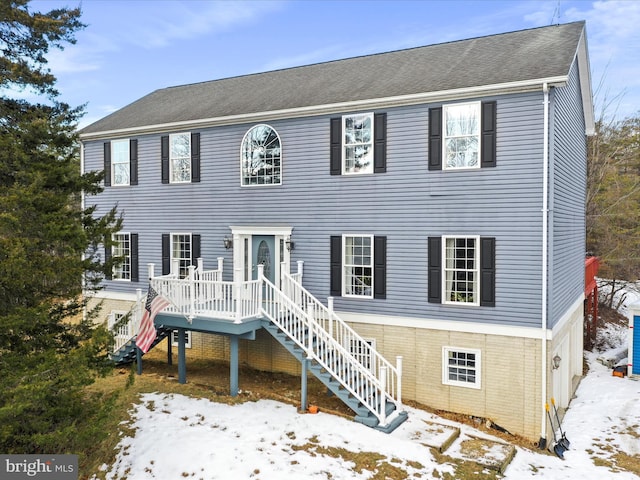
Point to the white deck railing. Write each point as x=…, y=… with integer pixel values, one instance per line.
x=325, y=337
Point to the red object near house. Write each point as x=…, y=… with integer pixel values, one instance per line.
x=591, y=265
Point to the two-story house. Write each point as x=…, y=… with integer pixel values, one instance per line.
x=430, y=199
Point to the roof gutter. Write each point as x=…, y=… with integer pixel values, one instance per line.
x=376, y=103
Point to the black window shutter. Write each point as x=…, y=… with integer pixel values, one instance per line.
x=164, y=157
x=336, y=146
x=435, y=270
x=135, y=276
x=488, y=272
x=107, y=164
x=166, y=254
x=380, y=143
x=195, y=248
x=133, y=162
x=195, y=157
x=107, y=257
x=379, y=267
x=488, y=126
x=336, y=266
x=435, y=138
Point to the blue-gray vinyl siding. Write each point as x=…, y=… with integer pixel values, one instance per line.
x=407, y=204
x=568, y=194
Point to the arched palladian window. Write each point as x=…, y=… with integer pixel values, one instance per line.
x=260, y=157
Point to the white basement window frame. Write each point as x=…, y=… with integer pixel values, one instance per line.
x=461, y=367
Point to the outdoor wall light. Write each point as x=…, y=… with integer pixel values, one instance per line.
x=290, y=245
x=556, y=361
x=228, y=242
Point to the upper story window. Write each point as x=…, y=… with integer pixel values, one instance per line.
x=261, y=157
x=359, y=144
x=122, y=249
x=120, y=162
x=180, y=157
x=462, y=136
x=462, y=270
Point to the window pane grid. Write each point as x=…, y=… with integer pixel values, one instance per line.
x=122, y=248
x=461, y=270
x=358, y=143
x=462, y=367
x=261, y=157
x=180, y=157
x=358, y=266
x=181, y=251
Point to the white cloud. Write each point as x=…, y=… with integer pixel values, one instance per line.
x=186, y=20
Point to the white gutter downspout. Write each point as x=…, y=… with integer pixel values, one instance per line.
x=545, y=227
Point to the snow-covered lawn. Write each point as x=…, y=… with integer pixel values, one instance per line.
x=176, y=437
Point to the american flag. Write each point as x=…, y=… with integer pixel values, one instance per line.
x=147, y=334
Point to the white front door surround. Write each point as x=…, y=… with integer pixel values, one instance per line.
x=243, y=246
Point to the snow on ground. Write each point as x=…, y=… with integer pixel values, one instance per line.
x=175, y=437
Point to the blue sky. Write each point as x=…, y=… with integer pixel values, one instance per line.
x=131, y=48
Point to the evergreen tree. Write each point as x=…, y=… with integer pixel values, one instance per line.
x=48, y=243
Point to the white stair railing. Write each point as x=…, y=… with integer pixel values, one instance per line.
x=123, y=332
x=347, y=337
x=309, y=334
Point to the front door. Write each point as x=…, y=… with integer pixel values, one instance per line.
x=263, y=252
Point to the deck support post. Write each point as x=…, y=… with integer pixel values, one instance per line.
x=182, y=359
x=138, y=361
x=303, y=387
x=233, y=365
x=169, y=350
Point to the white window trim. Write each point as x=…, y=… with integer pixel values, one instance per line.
x=128, y=162
x=476, y=295
x=281, y=160
x=344, y=146
x=171, y=257
x=478, y=106
x=445, y=367
x=113, y=270
x=174, y=338
x=344, y=254
x=171, y=169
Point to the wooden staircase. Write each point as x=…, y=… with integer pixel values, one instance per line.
x=127, y=352
x=332, y=381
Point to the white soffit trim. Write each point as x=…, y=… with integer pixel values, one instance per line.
x=376, y=103
x=445, y=325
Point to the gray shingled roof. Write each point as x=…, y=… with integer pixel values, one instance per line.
x=537, y=53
